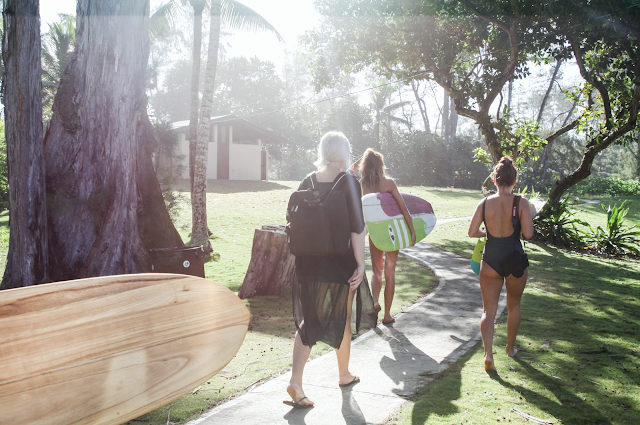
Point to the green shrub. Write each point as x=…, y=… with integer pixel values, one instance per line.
x=557, y=226
x=616, y=238
x=610, y=186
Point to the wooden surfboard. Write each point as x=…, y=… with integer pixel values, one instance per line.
x=385, y=222
x=109, y=349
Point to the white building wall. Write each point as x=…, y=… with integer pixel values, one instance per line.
x=212, y=156
x=244, y=161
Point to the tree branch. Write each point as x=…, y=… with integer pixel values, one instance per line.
x=507, y=73
x=593, y=80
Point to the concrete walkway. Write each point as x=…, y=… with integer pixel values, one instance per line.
x=393, y=362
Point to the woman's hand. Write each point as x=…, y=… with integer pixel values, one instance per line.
x=413, y=237
x=356, y=278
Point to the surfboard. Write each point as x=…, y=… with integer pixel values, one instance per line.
x=386, y=225
x=535, y=205
x=109, y=349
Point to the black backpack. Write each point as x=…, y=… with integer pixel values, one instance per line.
x=319, y=225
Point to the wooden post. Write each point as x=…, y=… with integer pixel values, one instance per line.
x=272, y=266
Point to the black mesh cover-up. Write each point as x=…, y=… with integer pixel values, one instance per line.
x=321, y=288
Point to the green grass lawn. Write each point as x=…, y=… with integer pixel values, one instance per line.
x=580, y=356
x=586, y=308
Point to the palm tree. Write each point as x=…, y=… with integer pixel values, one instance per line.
x=235, y=15
x=384, y=112
x=57, y=47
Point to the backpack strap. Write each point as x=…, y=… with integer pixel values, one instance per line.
x=338, y=178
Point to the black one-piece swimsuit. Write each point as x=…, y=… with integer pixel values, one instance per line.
x=497, y=249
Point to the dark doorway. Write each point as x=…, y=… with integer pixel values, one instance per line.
x=263, y=165
x=223, y=152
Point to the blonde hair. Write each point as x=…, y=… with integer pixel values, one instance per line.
x=372, y=171
x=333, y=147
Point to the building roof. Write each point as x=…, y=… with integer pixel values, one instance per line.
x=242, y=129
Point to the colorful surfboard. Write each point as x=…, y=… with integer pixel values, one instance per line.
x=385, y=222
x=109, y=349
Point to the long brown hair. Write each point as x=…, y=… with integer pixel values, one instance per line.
x=372, y=171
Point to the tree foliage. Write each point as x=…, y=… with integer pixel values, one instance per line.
x=473, y=48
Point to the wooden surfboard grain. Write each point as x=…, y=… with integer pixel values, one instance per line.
x=109, y=349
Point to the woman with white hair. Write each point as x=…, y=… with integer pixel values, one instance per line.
x=325, y=286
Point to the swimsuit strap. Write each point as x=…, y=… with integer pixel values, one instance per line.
x=515, y=219
x=484, y=201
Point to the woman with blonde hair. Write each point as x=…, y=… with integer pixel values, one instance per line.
x=504, y=262
x=374, y=180
x=325, y=286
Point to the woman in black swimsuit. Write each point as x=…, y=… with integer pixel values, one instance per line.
x=503, y=260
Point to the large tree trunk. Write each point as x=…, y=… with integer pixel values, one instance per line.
x=27, y=262
x=198, y=7
x=106, y=207
x=199, y=229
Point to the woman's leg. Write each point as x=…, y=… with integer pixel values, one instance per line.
x=300, y=356
x=377, y=261
x=390, y=260
x=343, y=353
x=490, y=285
x=515, y=288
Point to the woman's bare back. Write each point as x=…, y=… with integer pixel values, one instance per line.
x=497, y=215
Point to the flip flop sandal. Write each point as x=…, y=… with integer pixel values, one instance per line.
x=298, y=404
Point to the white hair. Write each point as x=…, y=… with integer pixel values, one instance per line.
x=333, y=147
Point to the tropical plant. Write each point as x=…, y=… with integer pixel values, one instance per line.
x=57, y=47
x=559, y=227
x=616, y=238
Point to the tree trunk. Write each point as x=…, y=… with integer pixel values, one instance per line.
x=453, y=123
x=27, y=261
x=453, y=144
x=105, y=205
x=198, y=7
x=421, y=105
x=445, y=118
x=199, y=229
x=272, y=266
x=546, y=95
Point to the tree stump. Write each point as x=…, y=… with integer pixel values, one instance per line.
x=272, y=266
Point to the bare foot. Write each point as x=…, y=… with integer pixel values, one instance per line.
x=377, y=308
x=512, y=352
x=298, y=397
x=488, y=364
x=387, y=320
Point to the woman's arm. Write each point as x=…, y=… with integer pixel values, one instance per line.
x=526, y=222
x=391, y=187
x=476, y=221
x=357, y=243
